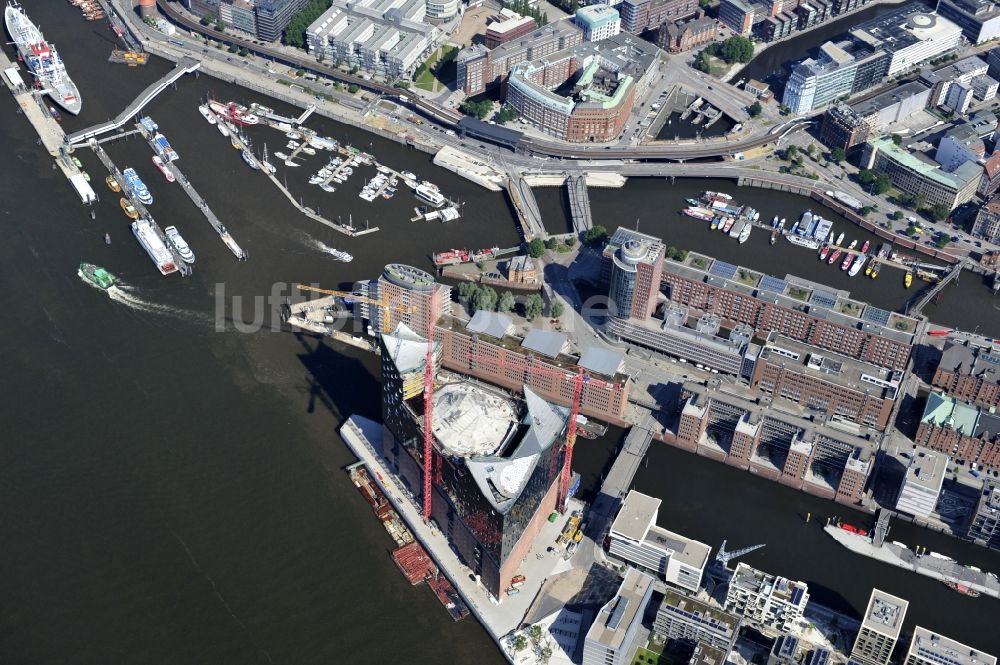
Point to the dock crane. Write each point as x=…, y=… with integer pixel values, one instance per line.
x=723, y=557
x=348, y=295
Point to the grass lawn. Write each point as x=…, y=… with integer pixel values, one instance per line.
x=438, y=70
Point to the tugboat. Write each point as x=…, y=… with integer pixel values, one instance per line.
x=97, y=275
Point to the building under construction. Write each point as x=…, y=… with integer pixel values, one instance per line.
x=495, y=459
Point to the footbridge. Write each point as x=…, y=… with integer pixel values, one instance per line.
x=526, y=206
x=930, y=294
x=579, y=203
x=184, y=66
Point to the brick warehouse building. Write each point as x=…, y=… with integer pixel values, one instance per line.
x=766, y=310
x=959, y=430
x=819, y=461
x=969, y=374
x=827, y=383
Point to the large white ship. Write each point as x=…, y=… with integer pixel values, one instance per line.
x=41, y=59
x=153, y=244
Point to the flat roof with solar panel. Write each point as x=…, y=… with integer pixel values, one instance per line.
x=722, y=269
x=771, y=283
x=628, y=606
x=823, y=298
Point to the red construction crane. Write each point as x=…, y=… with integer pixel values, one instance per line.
x=579, y=380
x=428, y=408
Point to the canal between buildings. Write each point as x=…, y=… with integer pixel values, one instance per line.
x=175, y=493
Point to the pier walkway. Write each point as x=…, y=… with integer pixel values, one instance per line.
x=925, y=298
x=619, y=478
x=896, y=554
x=184, y=66
x=579, y=203
x=182, y=267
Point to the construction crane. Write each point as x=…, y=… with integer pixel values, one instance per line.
x=579, y=380
x=347, y=295
x=724, y=557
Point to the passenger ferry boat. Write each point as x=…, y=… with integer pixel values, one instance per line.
x=179, y=244
x=151, y=242
x=430, y=194
x=135, y=185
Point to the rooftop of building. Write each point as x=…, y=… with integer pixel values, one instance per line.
x=926, y=167
x=592, y=14
x=683, y=549
x=885, y=613
x=602, y=361
x=982, y=10
x=623, y=235
x=554, y=30
x=796, y=293
x=468, y=420
x=887, y=99
x=904, y=27
x=724, y=621
x=408, y=277
x=830, y=366
x=973, y=360
x=785, y=647
x=706, y=654
x=508, y=23
x=493, y=324
x=546, y=342
x=407, y=349
x=351, y=19
x=963, y=67
x=931, y=646
x=750, y=579
x=944, y=411
x=636, y=516
x=614, y=619
x=696, y=25
x=926, y=469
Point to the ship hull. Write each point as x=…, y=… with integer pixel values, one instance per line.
x=42, y=60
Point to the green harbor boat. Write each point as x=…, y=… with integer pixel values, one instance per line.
x=97, y=275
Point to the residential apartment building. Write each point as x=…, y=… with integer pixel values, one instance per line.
x=922, y=481
x=919, y=177
x=480, y=68
x=978, y=19
x=410, y=294
x=960, y=144
x=682, y=617
x=880, y=628
x=817, y=82
x=636, y=539
x=969, y=373
x=766, y=601
x=616, y=633
x=682, y=36
x=640, y=15
x=874, y=336
x=987, y=224
x=598, y=22
x=989, y=183
x=384, y=37
x=843, y=128
x=959, y=430
x=263, y=19
x=825, y=382
x=984, y=528
x=929, y=648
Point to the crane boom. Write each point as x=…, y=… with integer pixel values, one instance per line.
x=381, y=304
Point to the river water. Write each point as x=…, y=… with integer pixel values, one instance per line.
x=175, y=493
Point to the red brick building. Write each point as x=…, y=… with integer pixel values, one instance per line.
x=680, y=36
x=969, y=374
x=964, y=432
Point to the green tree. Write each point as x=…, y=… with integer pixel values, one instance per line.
x=244, y=53
x=535, y=632
x=533, y=306
x=506, y=302
x=557, y=309
x=838, y=154
x=546, y=654
x=551, y=243
x=919, y=202
x=295, y=31
x=897, y=215
x=737, y=49
x=520, y=643
x=206, y=19
x=353, y=88
x=703, y=61
x=233, y=48
x=755, y=110
x=897, y=139
x=791, y=152
x=485, y=298
x=942, y=241
x=478, y=110
x=220, y=25
x=507, y=114
x=466, y=290
x=939, y=211
x=595, y=235
x=536, y=248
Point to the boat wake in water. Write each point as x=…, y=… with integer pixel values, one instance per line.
x=129, y=296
